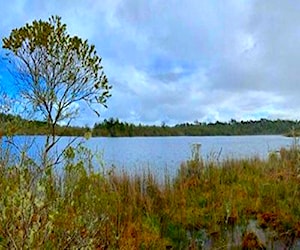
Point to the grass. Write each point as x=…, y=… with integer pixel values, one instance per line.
x=246, y=203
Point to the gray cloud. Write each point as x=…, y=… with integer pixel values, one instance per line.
x=179, y=61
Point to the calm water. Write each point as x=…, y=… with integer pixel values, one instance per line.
x=161, y=154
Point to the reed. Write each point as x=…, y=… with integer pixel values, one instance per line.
x=236, y=203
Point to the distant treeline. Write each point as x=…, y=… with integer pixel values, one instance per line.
x=113, y=127
x=15, y=125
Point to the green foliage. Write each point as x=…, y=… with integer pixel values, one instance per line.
x=56, y=68
x=114, y=127
x=15, y=125
x=55, y=73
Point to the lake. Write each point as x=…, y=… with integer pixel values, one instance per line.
x=165, y=154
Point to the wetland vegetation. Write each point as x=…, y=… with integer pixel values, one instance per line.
x=246, y=203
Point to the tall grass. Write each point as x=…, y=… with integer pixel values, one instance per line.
x=246, y=203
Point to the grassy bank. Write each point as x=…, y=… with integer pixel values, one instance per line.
x=250, y=204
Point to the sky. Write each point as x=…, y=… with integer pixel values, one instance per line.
x=181, y=61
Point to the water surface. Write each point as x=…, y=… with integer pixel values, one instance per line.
x=161, y=154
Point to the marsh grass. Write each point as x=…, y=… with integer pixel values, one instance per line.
x=245, y=203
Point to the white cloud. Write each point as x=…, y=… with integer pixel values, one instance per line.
x=179, y=61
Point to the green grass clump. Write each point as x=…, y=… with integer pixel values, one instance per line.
x=206, y=205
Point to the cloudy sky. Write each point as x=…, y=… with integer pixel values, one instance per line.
x=179, y=61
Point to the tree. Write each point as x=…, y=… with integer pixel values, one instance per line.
x=55, y=71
